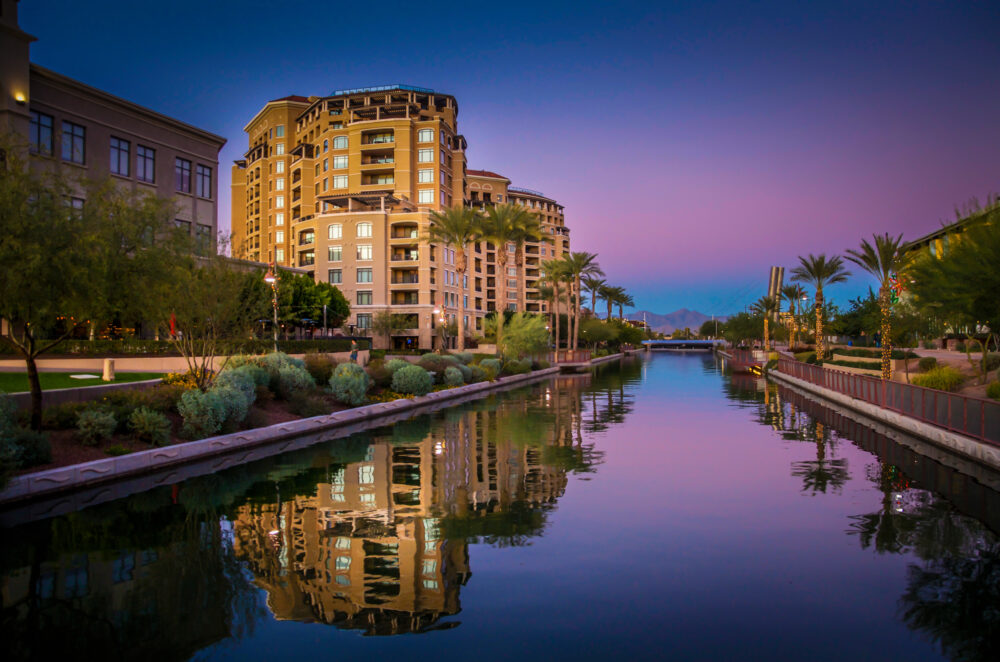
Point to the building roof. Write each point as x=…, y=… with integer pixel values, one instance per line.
x=484, y=173
x=292, y=97
x=986, y=214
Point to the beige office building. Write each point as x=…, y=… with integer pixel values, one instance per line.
x=344, y=186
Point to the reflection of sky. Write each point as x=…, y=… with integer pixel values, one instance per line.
x=692, y=539
x=693, y=144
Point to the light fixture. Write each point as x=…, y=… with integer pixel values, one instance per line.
x=20, y=98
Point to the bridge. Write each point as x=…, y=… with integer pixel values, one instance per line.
x=683, y=345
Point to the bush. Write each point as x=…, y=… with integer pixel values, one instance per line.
x=305, y=404
x=453, y=376
x=235, y=404
x=259, y=375
x=186, y=380
x=993, y=391
x=379, y=373
x=465, y=358
x=992, y=361
x=150, y=426
x=517, y=367
x=540, y=364
x=8, y=413
x=203, y=413
x=395, y=364
x=241, y=380
x=320, y=366
x=349, y=384
x=928, y=344
x=164, y=397
x=960, y=346
x=116, y=450
x=95, y=425
x=412, y=380
x=437, y=364
x=927, y=363
x=292, y=379
x=942, y=378
x=61, y=417
x=492, y=367
x=32, y=448
x=477, y=374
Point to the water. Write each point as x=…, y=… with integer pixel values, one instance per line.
x=657, y=509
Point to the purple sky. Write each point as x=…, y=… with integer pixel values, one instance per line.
x=693, y=145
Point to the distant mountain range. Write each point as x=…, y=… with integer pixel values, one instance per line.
x=679, y=319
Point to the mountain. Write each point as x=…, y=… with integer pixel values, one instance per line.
x=679, y=319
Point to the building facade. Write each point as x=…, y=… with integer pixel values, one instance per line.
x=345, y=185
x=94, y=134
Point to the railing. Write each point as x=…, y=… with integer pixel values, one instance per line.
x=569, y=356
x=973, y=417
x=745, y=357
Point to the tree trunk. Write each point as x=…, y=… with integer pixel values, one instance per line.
x=609, y=309
x=766, y=334
x=555, y=307
x=501, y=288
x=35, y=385
x=819, y=325
x=576, y=311
x=460, y=266
x=884, y=305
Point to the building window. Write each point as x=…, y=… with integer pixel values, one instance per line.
x=279, y=167
x=279, y=201
x=425, y=155
x=364, y=252
x=364, y=298
x=340, y=142
x=340, y=181
x=119, y=156
x=279, y=236
x=203, y=181
x=335, y=254
x=334, y=277
x=339, y=162
x=279, y=149
x=364, y=276
x=364, y=229
x=425, y=175
x=182, y=225
x=203, y=239
x=499, y=198
x=335, y=231
x=279, y=254
x=279, y=218
x=307, y=258
x=279, y=131
x=326, y=145
x=326, y=164
x=364, y=321
x=279, y=183
x=425, y=135
x=182, y=175
x=145, y=164
x=41, y=133
x=425, y=195
x=74, y=141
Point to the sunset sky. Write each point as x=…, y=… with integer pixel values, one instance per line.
x=692, y=144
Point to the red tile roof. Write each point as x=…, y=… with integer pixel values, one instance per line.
x=293, y=97
x=484, y=173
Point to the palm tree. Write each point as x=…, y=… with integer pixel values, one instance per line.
x=819, y=272
x=457, y=227
x=502, y=226
x=530, y=229
x=594, y=284
x=553, y=274
x=766, y=306
x=793, y=294
x=578, y=265
x=608, y=293
x=883, y=259
x=624, y=299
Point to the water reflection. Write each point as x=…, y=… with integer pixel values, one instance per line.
x=942, y=517
x=369, y=533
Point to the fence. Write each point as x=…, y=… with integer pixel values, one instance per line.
x=973, y=417
x=569, y=356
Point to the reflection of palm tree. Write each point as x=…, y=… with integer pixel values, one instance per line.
x=821, y=474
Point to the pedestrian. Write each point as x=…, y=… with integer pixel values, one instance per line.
x=354, y=350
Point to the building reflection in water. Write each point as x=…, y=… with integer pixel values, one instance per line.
x=946, y=519
x=369, y=532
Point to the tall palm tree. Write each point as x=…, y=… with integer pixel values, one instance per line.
x=820, y=272
x=502, y=226
x=578, y=265
x=457, y=227
x=766, y=306
x=594, y=284
x=624, y=299
x=883, y=259
x=793, y=294
x=553, y=273
x=530, y=229
x=608, y=293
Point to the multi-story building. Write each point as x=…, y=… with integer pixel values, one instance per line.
x=345, y=185
x=95, y=135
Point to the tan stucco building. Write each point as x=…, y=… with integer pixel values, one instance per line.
x=344, y=185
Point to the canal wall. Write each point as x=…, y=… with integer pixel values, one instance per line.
x=220, y=452
x=973, y=449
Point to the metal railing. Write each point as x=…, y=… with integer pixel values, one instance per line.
x=973, y=417
x=569, y=356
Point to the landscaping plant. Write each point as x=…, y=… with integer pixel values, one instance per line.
x=95, y=425
x=942, y=378
x=349, y=384
x=413, y=380
x=150, y=426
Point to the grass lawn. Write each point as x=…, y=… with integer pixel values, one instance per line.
x=13, y=382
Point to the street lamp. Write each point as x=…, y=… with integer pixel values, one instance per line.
x=271, y=279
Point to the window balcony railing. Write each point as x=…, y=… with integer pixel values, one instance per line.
x=406, y=234
x=307, y=240
x=406, y=256
x=378, y=139
x=405, y=298
x=406, y=279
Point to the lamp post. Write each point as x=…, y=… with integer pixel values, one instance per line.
x=272, y=279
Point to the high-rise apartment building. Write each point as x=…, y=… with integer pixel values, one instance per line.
x=344, y=186
x=95, y=134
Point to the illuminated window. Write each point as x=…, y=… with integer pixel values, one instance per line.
x=425, y=196
x=425, y=155
x=364, y=229
x=425, y=135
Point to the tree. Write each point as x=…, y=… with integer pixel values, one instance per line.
x=526, y=334
x=52, y=280
x=765, y=307
x=624, y=300
x=457, y=227
x=301, y=300
x=578, y=265
x=529, y=229
x=594, y=284
x=793, y=294
x=743, y=327
x=594, y=331
x=553, y=272
x=502, y=226
x=963, y=283
x=384, y=323
x=708, y=329
x=819, y=272
x=608, y=293
x=883, y=259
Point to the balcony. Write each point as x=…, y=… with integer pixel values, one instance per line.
x=307, y=258
x=405, y=278
x=405, y=298
x=375, y=140
x=409, y=255
x=405, y=232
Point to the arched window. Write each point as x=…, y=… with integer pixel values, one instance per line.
x=340, y=142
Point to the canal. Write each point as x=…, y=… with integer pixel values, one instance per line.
x=660, y=508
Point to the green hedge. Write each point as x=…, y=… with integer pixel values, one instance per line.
x=874, y=367
x=132, y=346
x=873, y=353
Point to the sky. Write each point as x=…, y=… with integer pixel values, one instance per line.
x=693, y=145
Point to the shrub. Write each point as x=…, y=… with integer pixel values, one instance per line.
x=928, y=344
x=60, y=417
x=349, y=384
x=491, y=365
x=203, y=413
x=517, y=367
x=320, y=366
x=292, y=378
x=942, y=378
x=395, y=364
x=32, y=448
x=540, y=364
x=241, y=380
x=8, y=413
x=960, y=346
x=437, y=364
x=993, y=391
x=258, y=375
x=453, y=376
x=116, y=450
x=927, y=363
x=150, y=426
x=305, y=404
x=379, y=373
x=187, y=380
x=465, y=358
x=477, y=374
x=992, y=361
x=164, y=397
x=95, y=425
x=412, y=380
x=235, y=404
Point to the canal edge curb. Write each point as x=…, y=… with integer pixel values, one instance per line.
x=966, y=446
x=62, y=479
